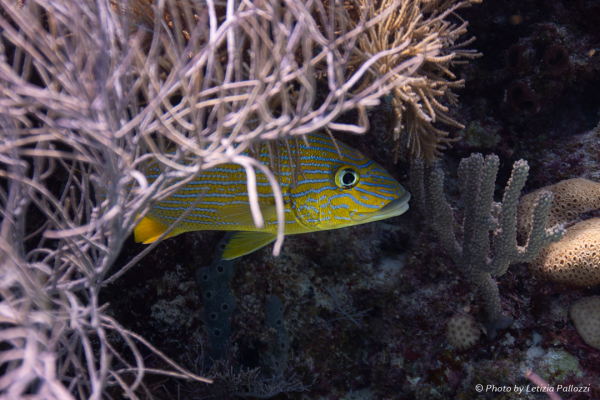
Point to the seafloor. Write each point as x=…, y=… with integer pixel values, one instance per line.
x=366, y=307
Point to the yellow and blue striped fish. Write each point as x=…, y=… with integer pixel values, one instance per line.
x=330, y=193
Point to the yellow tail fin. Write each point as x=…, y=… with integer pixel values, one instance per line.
x=149, y=230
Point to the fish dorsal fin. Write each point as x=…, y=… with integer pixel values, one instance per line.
x=243, y=216
x=243, y=243
x=148, y=230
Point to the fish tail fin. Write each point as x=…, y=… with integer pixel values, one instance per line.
x=148, y=230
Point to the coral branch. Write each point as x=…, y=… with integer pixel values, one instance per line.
x=472, y=254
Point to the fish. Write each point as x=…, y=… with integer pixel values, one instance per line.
x=325, y=192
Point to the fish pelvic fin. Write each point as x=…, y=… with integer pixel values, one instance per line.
x=243, y=243
x=148, y=230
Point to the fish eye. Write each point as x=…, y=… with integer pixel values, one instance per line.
x=347, y=177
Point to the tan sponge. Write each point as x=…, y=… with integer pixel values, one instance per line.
x=585, y=313
x=462, y=332
x=575, y=260
x=571, y=198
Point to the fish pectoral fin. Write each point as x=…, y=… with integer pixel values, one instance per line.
x=148, y=230
x=243, y=243
x=243, y=215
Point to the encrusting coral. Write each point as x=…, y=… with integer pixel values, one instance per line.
x=477, y=180
x=571, y=198
x=419, y=102
x=585, y=313
x=462, y=332
x=575, y=260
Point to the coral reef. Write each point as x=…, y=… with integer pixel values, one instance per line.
x=365, y=308
x=567, y=103
x=400, y=273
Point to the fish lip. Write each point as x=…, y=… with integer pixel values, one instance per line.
x=392, y=209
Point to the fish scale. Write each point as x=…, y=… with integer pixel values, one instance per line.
x=330, y=193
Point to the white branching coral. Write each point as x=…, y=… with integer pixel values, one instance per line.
x=422, y=100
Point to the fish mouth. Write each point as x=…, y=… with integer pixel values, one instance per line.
x=392, y=209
